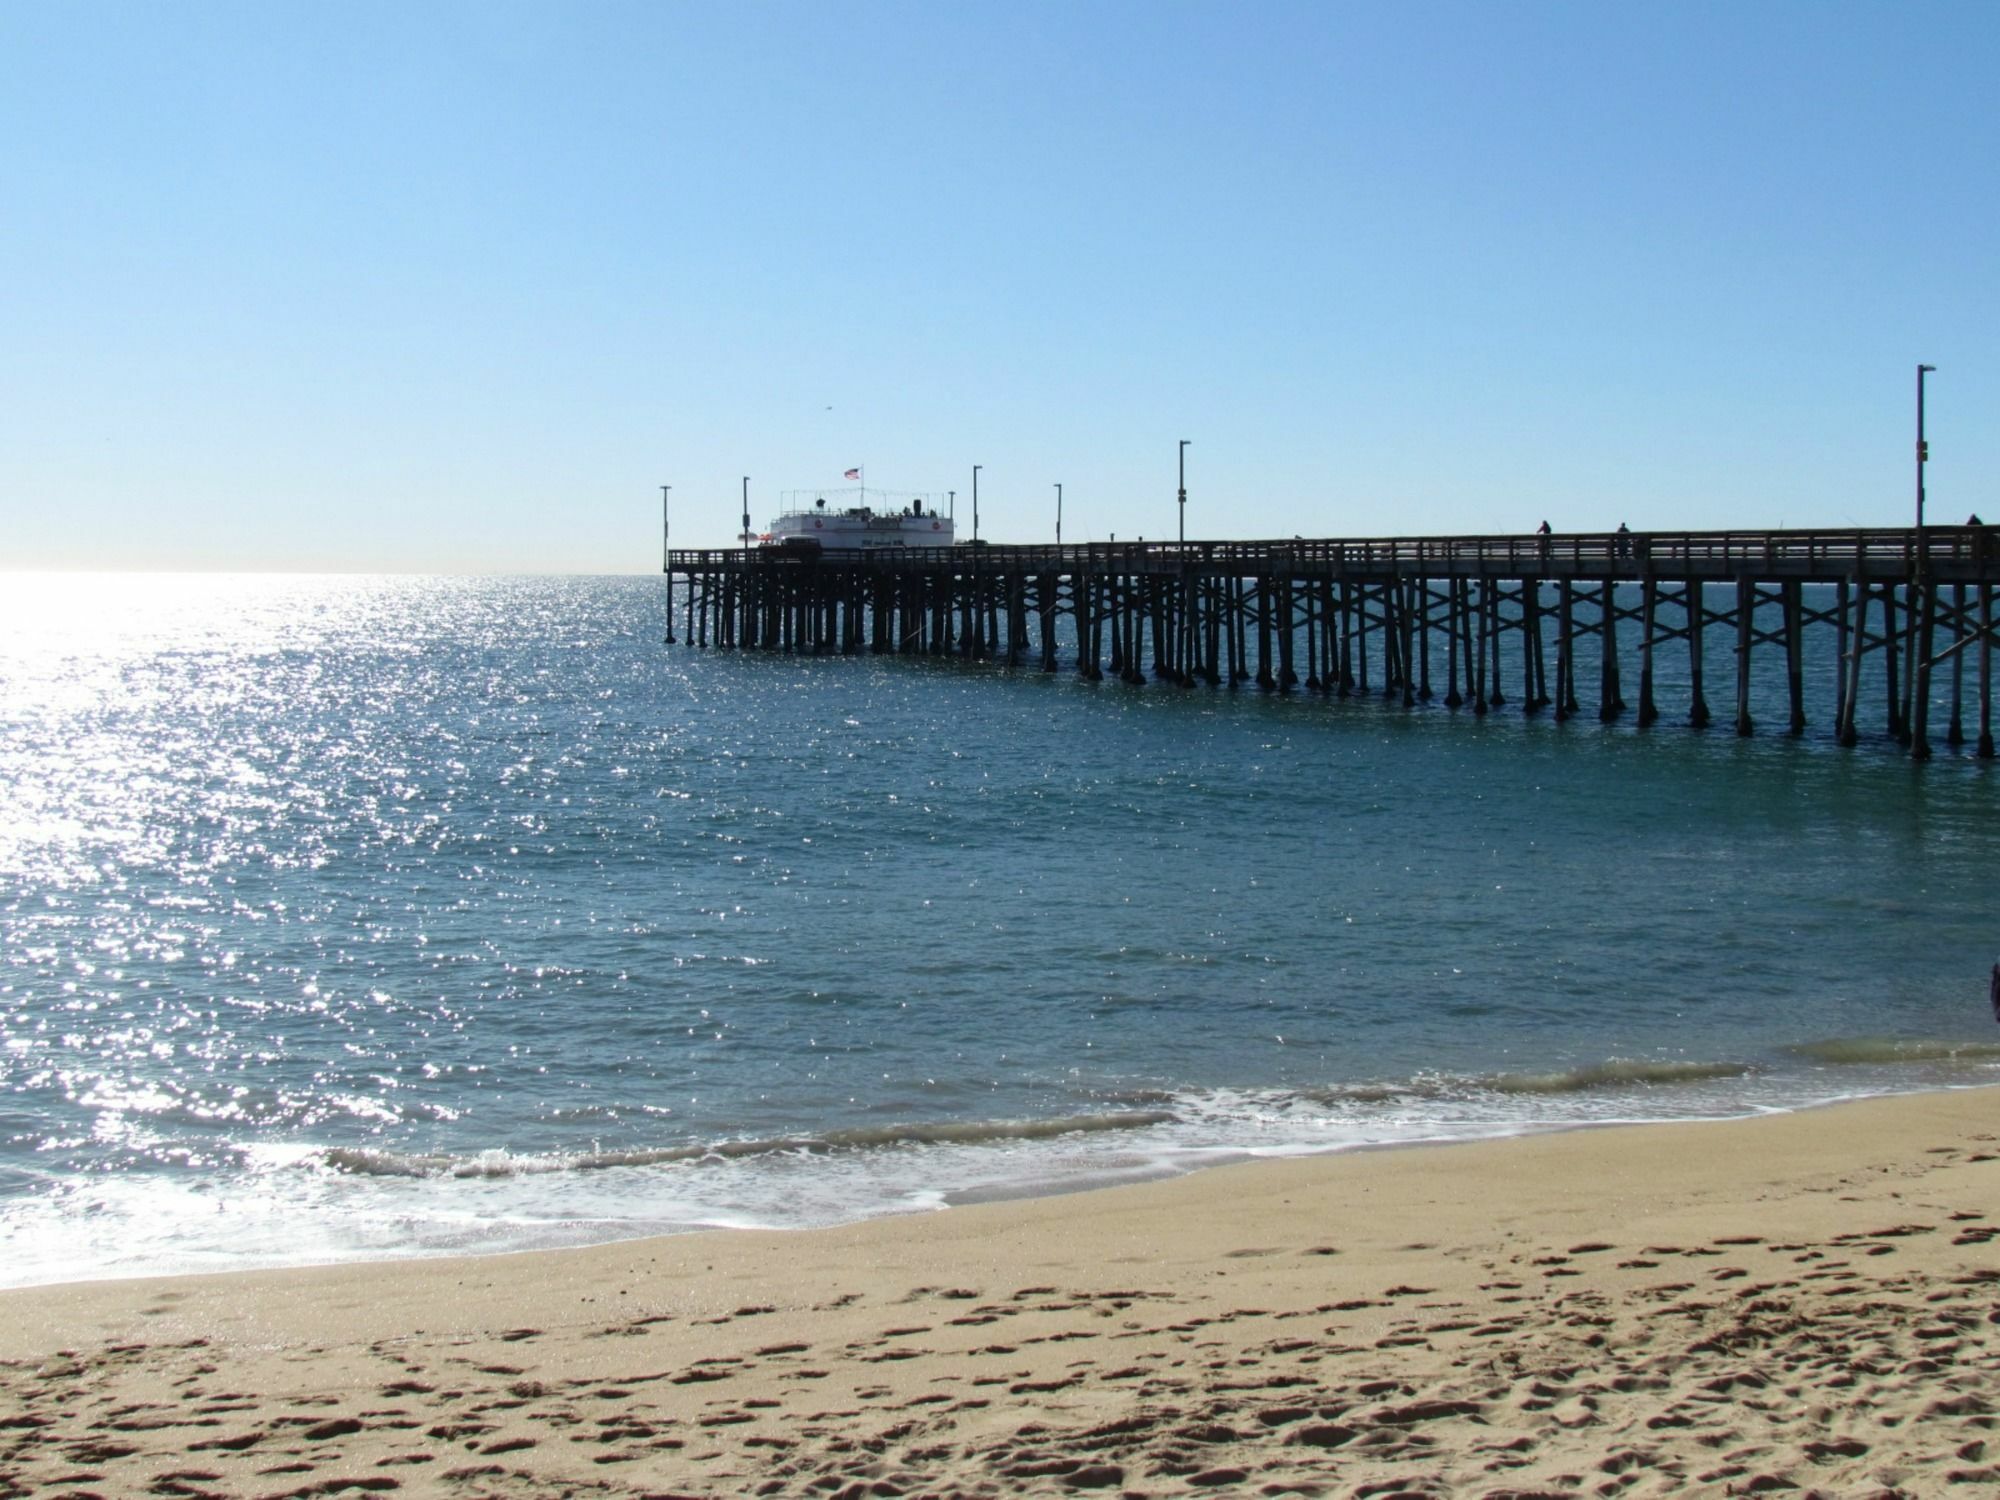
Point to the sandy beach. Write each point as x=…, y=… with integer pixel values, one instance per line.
x=1803, y=1302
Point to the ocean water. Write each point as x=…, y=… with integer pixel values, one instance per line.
x=361, y=917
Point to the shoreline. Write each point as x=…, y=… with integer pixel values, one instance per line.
x=1751, y=1302
x=566, y=1235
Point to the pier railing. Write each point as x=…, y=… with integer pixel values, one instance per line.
x=1965, y=553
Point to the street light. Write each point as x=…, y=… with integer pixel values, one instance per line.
x=746, y=515
x=1184, y=449
x=1923, y=448
x=667, y=556
x=975, y=500
x=1058, y=515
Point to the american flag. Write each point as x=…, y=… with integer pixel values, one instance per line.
x=852, y=474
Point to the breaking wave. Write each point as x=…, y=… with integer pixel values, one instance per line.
x=1198, y=1118
x=1612, y=1074
x=1839, y=1051
x=1615, y=1073
x=361, y=1161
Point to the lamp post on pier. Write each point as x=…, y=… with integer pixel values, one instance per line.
x=1184, y=449
x=667, y=555
x=1922, y=596
x=975, y=500
x=1058, y=515
x=1923, y=457
x=746, y=517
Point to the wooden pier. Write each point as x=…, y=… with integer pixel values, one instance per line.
x=1417, y=618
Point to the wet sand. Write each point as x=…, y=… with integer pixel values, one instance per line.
x=1807, y=1302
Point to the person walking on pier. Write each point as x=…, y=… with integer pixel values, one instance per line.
x=1543, y=544
x=1624, y=542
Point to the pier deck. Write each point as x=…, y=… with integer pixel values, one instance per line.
x=1406, y=616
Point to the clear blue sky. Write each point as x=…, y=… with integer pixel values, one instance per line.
x=457, y=287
